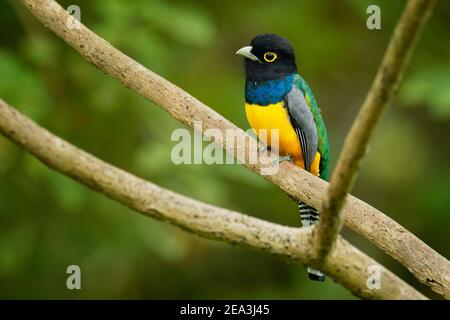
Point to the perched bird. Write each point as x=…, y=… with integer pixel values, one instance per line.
x=277, y=97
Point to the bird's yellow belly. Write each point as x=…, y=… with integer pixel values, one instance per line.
x=275, y=116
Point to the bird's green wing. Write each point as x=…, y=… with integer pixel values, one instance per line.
x=323, y=145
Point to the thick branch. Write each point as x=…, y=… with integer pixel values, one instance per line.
x=426, y=264
x=383, y=88
x=347, y=265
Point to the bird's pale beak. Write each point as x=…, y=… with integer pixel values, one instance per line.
x=247, y=52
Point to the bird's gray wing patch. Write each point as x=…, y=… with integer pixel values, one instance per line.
x=303, y=123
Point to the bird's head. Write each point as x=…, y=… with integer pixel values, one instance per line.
x=268, y=57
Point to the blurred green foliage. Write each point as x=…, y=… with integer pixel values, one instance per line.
x=48, y=221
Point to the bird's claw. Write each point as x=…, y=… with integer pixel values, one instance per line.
x=262, y=149
x=284, y=158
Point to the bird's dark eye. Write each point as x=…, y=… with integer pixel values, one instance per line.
x=270, y=56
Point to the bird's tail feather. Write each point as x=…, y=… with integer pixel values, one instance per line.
x=309, y=217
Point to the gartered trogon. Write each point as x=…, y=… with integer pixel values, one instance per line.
x=277, y=97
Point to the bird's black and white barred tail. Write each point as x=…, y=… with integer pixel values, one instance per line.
x=309, y=217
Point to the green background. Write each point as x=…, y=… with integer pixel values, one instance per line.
x=48, y=222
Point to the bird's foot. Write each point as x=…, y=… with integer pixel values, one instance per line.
x=262, y=149
x=284, y=158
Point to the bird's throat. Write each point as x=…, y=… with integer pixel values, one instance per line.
x=267, y=92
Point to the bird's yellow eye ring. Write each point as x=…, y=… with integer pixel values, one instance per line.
x=270, y=56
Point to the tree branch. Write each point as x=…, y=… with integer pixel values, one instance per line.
x=347, y=265
x=383, y=89
x=426, y=264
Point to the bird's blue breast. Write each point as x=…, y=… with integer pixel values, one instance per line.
x=268, y=92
